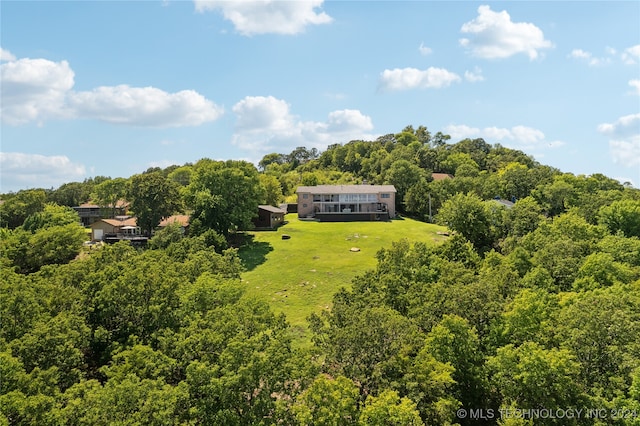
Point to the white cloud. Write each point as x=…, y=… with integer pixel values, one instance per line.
x=474, y=76
x=624, y=126
x=346, y=120
x=266, y=124
x=34, y=90
x=624, y=139
x=494, y=35
x=412, y=78
x=589, y=58
x=5, y=55
x=626, y=152
x=635, y=84
x=268, y=16
x=424, y=50
x=580, y=54
x=517, y=137
x=19, y=170
x=39, y=89
x=527, y=135
x=144, y=106
x=263, y=114
x=631, y=55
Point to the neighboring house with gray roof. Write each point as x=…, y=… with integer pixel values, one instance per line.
x=90, y=213
x=332, y=203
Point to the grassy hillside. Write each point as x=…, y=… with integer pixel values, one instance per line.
x=299, y=276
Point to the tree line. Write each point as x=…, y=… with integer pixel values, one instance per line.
x=536, y=306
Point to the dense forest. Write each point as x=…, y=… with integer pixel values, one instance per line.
x=528, y=315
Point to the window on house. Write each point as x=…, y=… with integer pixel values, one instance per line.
x=385, y=195
x=305, y=196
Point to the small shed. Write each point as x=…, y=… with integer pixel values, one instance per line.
x=269, y=217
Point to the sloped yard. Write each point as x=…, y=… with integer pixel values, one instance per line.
x=299, y=275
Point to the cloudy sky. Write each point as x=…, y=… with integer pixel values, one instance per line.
x=114, y=87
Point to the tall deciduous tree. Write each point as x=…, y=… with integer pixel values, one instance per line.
x=389, y=409
x=16, y=208
x=52, y=215
x=454, y=342
x=70, y=194
x=272, y=189
x=224, y=195
x=108, y=193
x=623, y=215
x=468, y=215
x=328, y=401
x=533, y=377
x=153, y=197
x=403, y=175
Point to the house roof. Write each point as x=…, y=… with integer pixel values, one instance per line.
x=89, y=205
x=506, y=203
x=131, y=221
x=182, y=219
x=270, y=208
x=441, y=176
x=346, y=189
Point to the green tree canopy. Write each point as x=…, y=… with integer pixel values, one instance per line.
x=469, y=216
x=17, y=207
x=153, y=197
x=224, y=195
x=107, y=193
x=623, y=216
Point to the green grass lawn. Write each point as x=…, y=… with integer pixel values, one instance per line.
x=299, y=276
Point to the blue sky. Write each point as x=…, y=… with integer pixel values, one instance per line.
x=114, y=87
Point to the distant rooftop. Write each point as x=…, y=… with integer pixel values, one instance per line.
x=441, y=176
x=271, y=209
x=346, y=189
x=129, y=221
x=506, y=203
x=182, y=219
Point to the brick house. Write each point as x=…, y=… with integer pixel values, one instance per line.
x=333, y=203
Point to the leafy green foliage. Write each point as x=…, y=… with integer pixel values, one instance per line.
x=153, y=197
x=48, y=243
x=390, y=409
x=17, y=207
x=531, y=376
x=106, y=194
x=470, y=216
x=224, y=195
x=172, y=233
x=328, y=402
x=623, y=216
x=532, y=307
